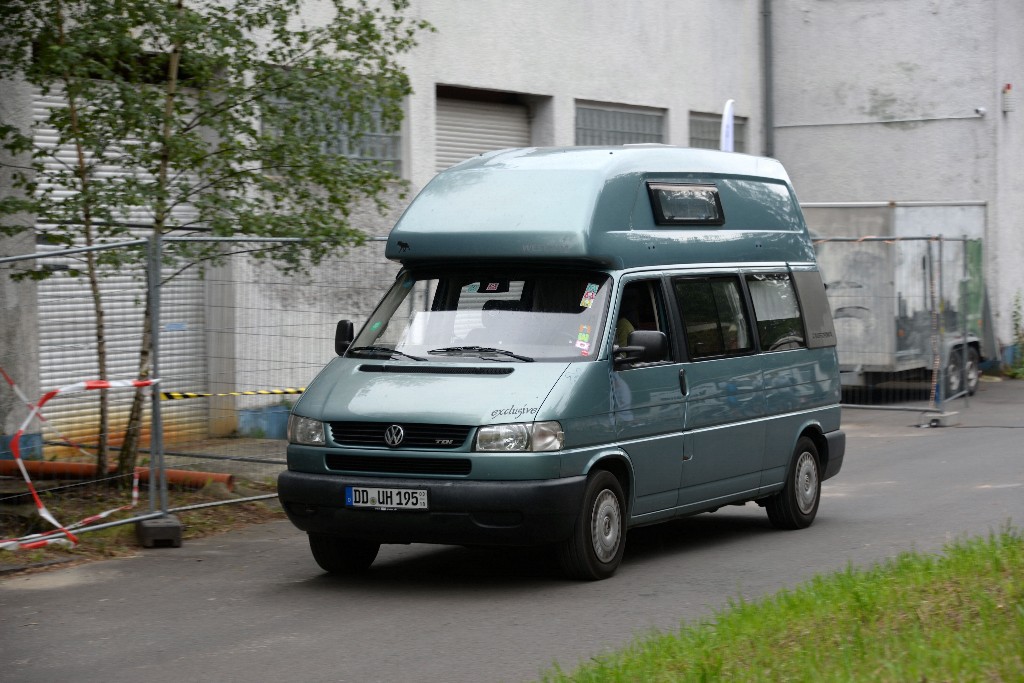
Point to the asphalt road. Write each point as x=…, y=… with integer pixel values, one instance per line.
x=253, y=606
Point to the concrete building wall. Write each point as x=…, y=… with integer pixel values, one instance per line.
x=676, y=55
x=1007, y=253
x=878, y=100
x=19, y=336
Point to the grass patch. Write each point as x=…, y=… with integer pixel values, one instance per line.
x=69, y=504
x=958, y=616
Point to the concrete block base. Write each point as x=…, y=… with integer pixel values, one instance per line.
x=939, y=420
x=159, y=532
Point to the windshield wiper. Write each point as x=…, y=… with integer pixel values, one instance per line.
x=391, y=353
x=457, y=350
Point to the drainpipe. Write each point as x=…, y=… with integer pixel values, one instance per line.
x=767, y=68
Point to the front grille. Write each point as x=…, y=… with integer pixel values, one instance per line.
x=415, y=435
x=391, y=464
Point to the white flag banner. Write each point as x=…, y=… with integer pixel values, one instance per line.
x=726, y=134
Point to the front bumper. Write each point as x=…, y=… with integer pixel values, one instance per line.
x=461, y=512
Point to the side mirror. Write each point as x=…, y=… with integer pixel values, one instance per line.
x=343, y=336
x=643, y=346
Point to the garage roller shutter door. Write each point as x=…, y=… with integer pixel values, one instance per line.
x=67, y=326
x=466, y=128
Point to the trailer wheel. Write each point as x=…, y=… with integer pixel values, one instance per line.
x=955, y=377
x=796, y=505
x=338, y=555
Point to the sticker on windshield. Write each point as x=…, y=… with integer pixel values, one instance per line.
x=473, y=288
x=589, y=295
x=584, y=333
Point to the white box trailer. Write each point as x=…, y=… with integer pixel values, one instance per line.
x=906, y=286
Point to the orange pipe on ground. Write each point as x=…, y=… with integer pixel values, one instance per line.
x=55, y=469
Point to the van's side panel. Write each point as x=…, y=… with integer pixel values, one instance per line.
x=801, y=387
x=725, y=428
x=649, y=420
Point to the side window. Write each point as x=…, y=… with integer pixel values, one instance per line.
x=642, y=308
x=714, y=316
x=821, y=330
x=779, y=324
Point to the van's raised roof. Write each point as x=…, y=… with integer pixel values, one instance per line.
x=594, y=205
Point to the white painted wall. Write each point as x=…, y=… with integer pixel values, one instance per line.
x=19, y=335
x=1007, y=252
x=678, y=55
x=844, y=68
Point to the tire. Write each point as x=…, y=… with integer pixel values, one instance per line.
x=796, y=505
x=594, y=549
x=954, y=380
x=338, y=555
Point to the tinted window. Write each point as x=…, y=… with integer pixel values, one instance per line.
x=685, y=204
x=779, y=324
x=714, y=316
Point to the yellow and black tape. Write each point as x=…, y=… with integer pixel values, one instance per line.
x=179, y=395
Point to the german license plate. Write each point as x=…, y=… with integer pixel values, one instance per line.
x=385, y=499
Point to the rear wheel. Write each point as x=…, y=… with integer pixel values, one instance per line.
x=957, y=378
x=594, y=549
x=339, y=555
x=796, y=505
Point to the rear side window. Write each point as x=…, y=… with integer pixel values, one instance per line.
x=713, y=316
x=821, y=330
x=779, y=323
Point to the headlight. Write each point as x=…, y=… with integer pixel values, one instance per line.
x=520, y=436
x=305, y=431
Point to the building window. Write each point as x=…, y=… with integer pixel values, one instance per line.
x=602, y=125
x=706, y=129
x=374, y=143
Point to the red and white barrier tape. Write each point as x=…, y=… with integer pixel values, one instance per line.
x=62, y=534
x=24, y=399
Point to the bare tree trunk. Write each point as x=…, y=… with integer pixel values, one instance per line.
x=102, y=445
x=129, y=449
x=128, y=457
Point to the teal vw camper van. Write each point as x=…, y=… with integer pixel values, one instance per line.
x=580, y=341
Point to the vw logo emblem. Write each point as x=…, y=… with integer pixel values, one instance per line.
x=393, y=435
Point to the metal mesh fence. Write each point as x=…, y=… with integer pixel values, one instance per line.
x=908, y=314
x=238, y=341
x=267, y=334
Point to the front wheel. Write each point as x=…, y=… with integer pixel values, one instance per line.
x=339, y=555
x=594, y=549
x=796, y=505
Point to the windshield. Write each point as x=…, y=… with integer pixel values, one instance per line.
x=500, y=314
